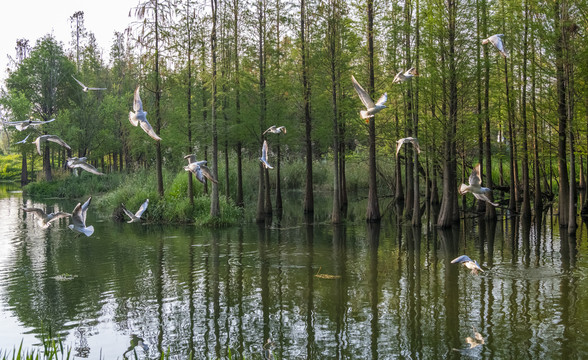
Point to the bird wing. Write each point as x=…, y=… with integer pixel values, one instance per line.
x=461, y=259
x=485, y=198
x=382, y=99
x=475, y=176
x=38, y=212
x=399, y=145
x=201, y=162
x=133, y=118
x=137, y=103
x=35, y=123
x=23, y=140
x=399, y=78
x=85, y=209
x=282, y=128
x=56, y=216
x=206, y=172
x=77, y=217
x=79, y=82
x=142, y=208
x=271, y=128
x=264, y=150
x=199, y=175
x=127, y=212
x=38, y=143
x=57, y=139
x=89, y=168
x=363, y=95
x=149, y=130
x=191, y=158
x=96, y=88
x=415, y=142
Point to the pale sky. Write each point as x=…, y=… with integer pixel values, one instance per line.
x=32, y=19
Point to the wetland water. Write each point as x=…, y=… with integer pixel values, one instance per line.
x=387, y=291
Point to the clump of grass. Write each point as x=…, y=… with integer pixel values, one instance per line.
x=74, y=186
x=10, y=167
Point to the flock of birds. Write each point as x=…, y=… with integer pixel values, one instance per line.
x=475, y=183
x=138, y=117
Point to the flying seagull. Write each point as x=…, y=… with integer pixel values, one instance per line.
x=78, y=219
x=140, y=116
x=53, y=138
x=412, y=140
x=199, y=169
x=23, y=141
x=136, y=217
x=84, y=87
x=275, y=130
x=23, y=125
x=367, y=101
x=496, y=40
x=45, y=220
x=475, y=187
x=469, y=263
x=75, y=162
x=407, y=75
x=263, y=157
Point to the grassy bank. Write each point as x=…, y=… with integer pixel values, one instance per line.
x=10, y=166
x=132, y=189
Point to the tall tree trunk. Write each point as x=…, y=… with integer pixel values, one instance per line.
x=408, y=115
x=278, y=160
x=569, y=79
x=308, y=194
x=490, y=210
x=189, y=104
x=333, y=24
x=373, y=208
x=47, y=164
x=564, y=195
x=262, y=193
x=416, y=214
x=449, y=213
x=479, y=115
x=526, y=207
x=538, y=200
x=158, y=164
x=239, y=145
x=23, y=173
x=214, y=201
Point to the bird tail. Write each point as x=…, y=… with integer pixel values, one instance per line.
x=364, y=114
x=88, y=230
x=133, y=119
x=463, y=189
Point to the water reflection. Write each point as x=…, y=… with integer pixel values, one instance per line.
x=392, y=292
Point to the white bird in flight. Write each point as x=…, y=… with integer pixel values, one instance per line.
x=136, y=217
x=475, y=187
x=84, y=87
x=23, y=125
x=23, y=140
x=263, y=157
x=53, y=138
x=75, y=162
x=367, y=101
x=496, y=40
x=140, y=116
x=407, y=75
x=78, y=219
x=44, y=220
x=406, y=140
x=469, y=263
x=275, y=130
x=199, y=169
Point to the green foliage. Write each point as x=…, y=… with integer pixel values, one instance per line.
x=10, y=166
x=67, y=186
